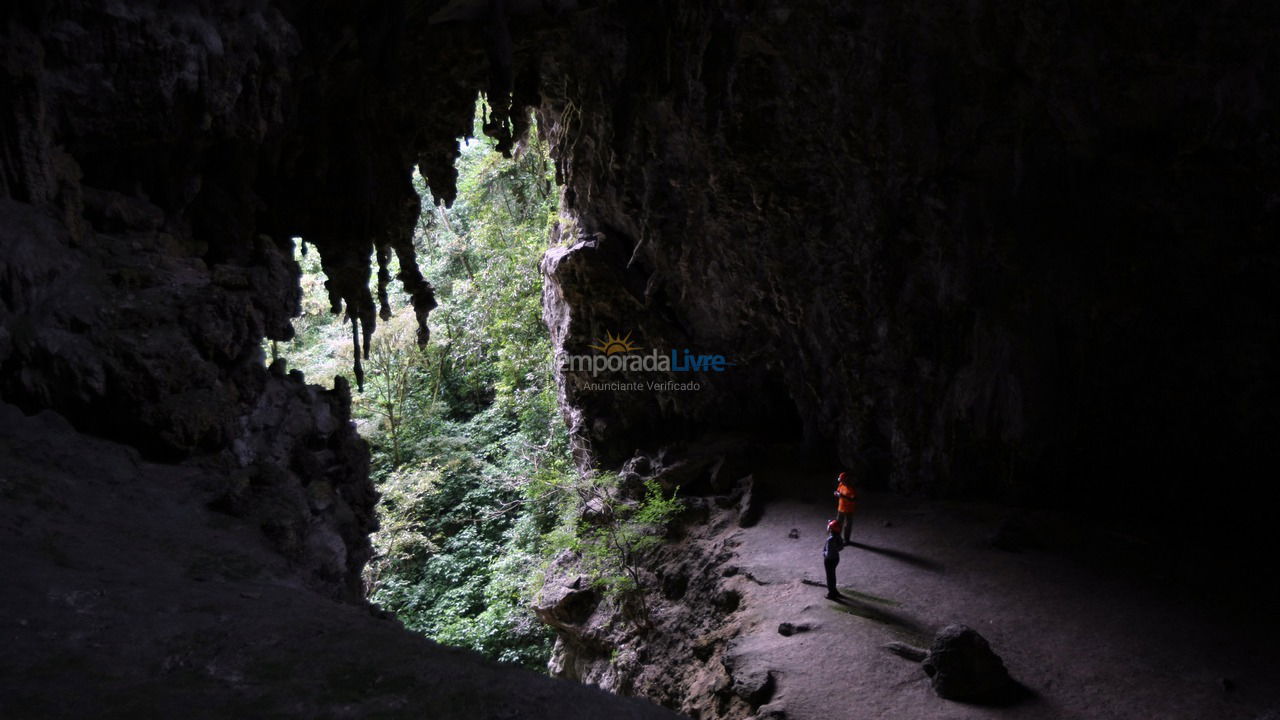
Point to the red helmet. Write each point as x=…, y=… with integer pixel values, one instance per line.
x=841, y=478
x=834, y=526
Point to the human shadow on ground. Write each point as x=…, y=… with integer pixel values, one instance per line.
x=901, y=556
x=895, y=620
x=866, y=606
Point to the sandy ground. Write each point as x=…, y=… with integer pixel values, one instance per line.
x=1090, y=637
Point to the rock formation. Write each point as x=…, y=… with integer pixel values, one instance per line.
x=1007, y=251
x=676, y=649
x=962, y=666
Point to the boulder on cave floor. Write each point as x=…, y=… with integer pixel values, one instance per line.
x=962, y=666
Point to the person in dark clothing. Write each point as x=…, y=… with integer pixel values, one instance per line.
x=831, y=557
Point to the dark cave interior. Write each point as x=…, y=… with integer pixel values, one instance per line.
x=1002, y=251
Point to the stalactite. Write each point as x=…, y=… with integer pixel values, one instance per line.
x=498, y=124
x=368, y=322
x=421, y=294
x=384, y=277
x=355, y=344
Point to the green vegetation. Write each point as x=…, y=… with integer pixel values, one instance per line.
x=464, y=428
x=612, y=535
x=470, y=453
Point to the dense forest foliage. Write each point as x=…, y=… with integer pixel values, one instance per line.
x=479, y=492
x=465, y=431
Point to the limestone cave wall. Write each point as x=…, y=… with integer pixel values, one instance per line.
x=158, y=162
x=1005, y=249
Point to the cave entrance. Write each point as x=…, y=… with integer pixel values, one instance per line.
x=463, y=431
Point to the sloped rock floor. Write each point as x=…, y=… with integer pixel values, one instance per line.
x=124, y=596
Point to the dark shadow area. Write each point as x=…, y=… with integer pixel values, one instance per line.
x=878, y=615
x=906, y=557
x=1015, y=694
x=864, y=606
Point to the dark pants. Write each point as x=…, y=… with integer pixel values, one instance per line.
x=846, y=523
x=830, y=563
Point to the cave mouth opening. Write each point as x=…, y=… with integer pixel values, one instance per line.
x=465, y=432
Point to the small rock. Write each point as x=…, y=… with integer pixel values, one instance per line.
x=794, y=534
x=755, y=684
x=963, y=667
x=772, y=711
x=595, y=512
x=787, y=629
x=704, y=649
x=905, y=651
x=564, y=603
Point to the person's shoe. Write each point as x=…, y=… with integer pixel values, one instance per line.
x=834, y=596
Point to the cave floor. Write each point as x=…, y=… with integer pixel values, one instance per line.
x=1091, y=634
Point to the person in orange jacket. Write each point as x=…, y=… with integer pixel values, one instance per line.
x=846, y=503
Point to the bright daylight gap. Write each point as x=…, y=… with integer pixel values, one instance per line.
x=466, y=437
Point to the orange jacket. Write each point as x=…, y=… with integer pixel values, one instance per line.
x=847, y=498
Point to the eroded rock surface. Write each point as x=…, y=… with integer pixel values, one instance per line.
x=962, y=666
x=126, y=596
x=146, y=251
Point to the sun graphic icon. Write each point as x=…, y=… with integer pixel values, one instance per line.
x=613, y=344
